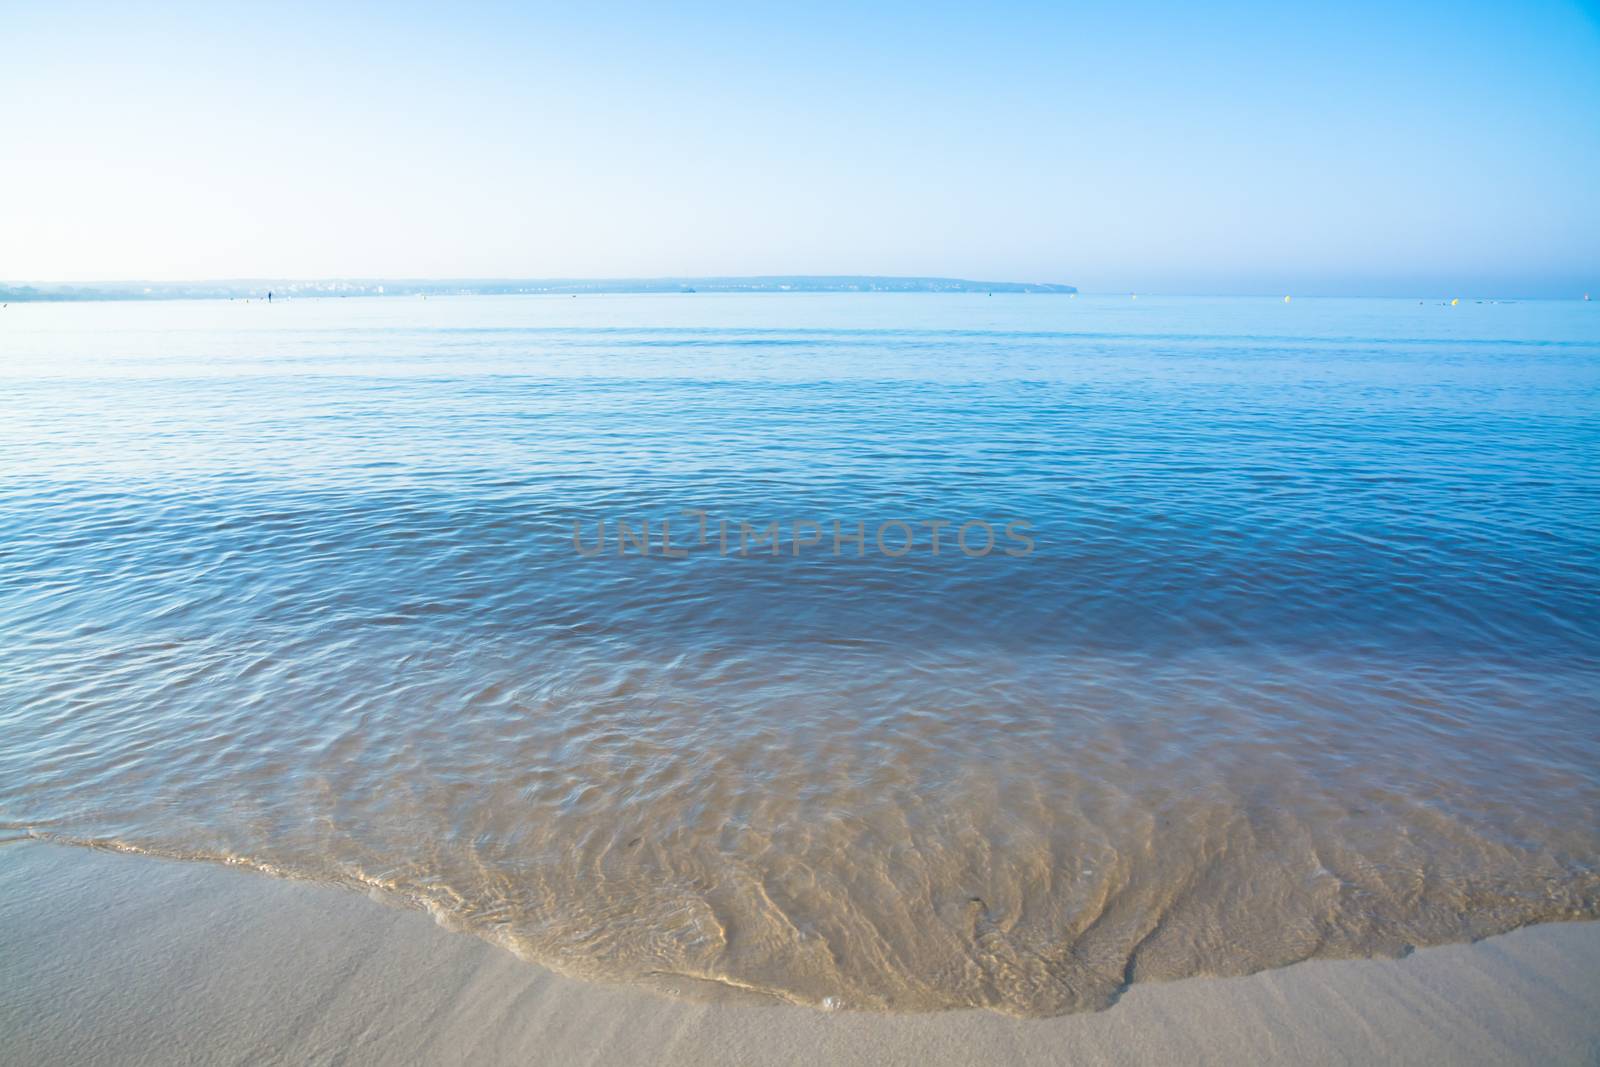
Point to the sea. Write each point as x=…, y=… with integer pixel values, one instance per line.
x=875, y=651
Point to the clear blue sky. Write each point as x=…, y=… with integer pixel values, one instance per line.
x=1158, y=147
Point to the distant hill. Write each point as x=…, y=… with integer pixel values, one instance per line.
x=237, y=289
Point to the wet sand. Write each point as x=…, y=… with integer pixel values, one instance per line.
x=109, y=958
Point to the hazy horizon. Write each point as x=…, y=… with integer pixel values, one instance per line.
x=1240, y=150
x=1436, y=293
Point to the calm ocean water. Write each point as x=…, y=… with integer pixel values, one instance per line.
x=1304, y=658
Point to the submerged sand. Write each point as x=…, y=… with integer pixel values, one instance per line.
x=128, y=959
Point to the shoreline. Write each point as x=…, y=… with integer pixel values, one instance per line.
x=110, y=957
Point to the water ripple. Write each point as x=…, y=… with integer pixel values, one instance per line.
x=1302, y=661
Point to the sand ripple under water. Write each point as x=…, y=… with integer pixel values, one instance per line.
x=1303, y=662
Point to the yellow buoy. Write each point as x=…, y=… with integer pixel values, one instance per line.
x=1285, y=300
x=1456, y=301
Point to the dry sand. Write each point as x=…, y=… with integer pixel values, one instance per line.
x=125, y=959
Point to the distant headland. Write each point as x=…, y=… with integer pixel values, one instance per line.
x=281, y=288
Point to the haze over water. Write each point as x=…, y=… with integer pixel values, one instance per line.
x=1304, y=660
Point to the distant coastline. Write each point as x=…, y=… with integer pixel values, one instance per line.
x=287, y=287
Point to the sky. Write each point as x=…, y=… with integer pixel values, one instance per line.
x=1355, y=149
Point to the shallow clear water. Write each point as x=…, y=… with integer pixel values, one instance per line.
x=1304, y=658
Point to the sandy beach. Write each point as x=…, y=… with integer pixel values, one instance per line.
x=108, y=958
x=915, y=534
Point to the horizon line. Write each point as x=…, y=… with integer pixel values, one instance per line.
x=292, y=286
